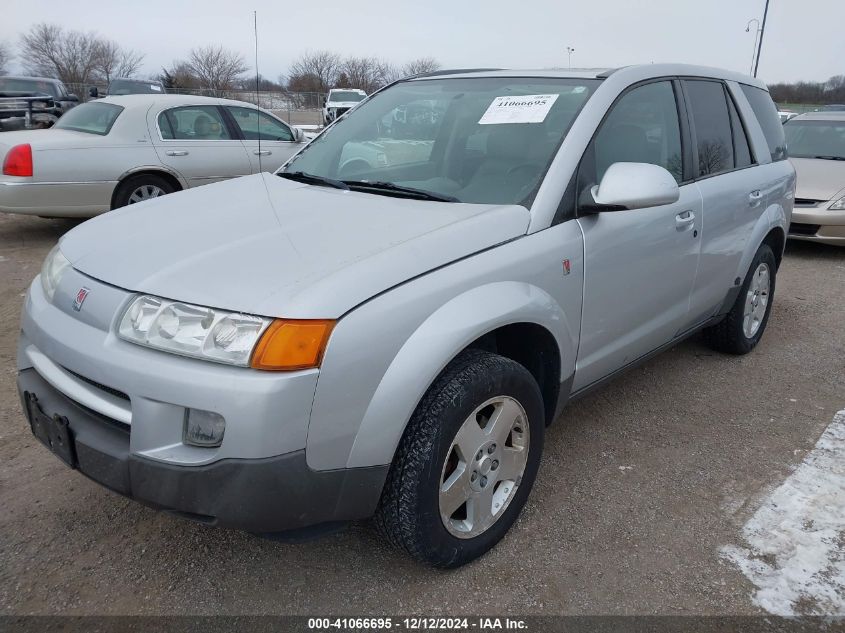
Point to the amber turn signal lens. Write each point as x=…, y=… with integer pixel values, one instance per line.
x=292, y=344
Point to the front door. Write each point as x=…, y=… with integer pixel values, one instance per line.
x=277, y=141
x=639, y=265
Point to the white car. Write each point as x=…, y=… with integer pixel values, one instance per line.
x=120, y=150
x=341, y=100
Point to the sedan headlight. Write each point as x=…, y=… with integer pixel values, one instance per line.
x=54, y=266
x=839, y=205
x=224, y=337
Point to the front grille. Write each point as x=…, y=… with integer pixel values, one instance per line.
x=116, y=393
x=796, y=228
x=807, y=202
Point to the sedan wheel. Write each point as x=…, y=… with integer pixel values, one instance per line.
x=145, y=192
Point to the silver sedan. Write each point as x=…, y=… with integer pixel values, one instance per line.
x=124, y=149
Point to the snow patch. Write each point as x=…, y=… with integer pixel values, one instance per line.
x=795, y=542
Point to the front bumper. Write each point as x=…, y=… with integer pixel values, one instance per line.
x=817, y=224
x=259, y=495
x=125, y=407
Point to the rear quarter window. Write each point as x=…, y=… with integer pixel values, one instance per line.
x=767, y=114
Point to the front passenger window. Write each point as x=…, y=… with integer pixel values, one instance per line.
x=642, y=127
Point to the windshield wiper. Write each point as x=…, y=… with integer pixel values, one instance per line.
x=830, y=157
x=390, y=187
x=312, y=179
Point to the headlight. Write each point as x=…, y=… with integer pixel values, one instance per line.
x=839, y=205
x=224, y=337
x=52, y=270
x=38, y=104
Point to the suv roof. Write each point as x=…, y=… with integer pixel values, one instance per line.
x=649, y=70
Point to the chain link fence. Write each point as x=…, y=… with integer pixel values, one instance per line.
x=296, y=108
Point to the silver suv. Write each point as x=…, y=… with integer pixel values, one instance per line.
x=391, y=338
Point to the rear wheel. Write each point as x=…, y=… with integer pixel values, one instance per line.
x=141, y=188
x=466, y=463
x=743, y=327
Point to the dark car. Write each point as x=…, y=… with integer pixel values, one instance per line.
x=30, y=102
x=130, y=87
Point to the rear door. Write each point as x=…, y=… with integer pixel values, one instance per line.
x=730, y=187
x=197, y=142
x=639, y=265
x=277, y=140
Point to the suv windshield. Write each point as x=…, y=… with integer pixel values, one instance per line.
x=345, y=95
x=12, y=84
x=94, y=118
x=124, y=87
x=815, y=139
x=478, y=140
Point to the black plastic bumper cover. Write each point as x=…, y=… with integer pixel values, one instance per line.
x=258, y=495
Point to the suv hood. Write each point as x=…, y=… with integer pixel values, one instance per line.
x=272, y=247
x=819, y=179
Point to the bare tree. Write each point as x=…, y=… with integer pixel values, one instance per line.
x=215, y=67
x=49, y=50
x=320, y=67
x=5, y=57
x=115, y=61
x=180, y=76
x=420, y=65
x=366, y=73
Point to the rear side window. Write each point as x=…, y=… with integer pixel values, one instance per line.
x=712, y=123
x=94, y=118
x=194, y=123
x=742, y=150
x=767, y=114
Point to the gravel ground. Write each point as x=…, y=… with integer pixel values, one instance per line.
x=641, y=484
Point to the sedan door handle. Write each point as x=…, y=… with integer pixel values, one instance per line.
x=263, y=152
x=177, y=152
x=684, y=219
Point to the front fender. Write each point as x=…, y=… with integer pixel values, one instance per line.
x=436, y=342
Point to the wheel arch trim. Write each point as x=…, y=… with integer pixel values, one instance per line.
x=439, y=339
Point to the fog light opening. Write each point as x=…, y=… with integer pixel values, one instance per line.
x=203, y=428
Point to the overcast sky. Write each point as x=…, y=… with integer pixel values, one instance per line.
x=803, y=37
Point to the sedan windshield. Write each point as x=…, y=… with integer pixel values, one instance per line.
x=815, y=139
x=94, y=118
x=478, y=140
x=345, y=95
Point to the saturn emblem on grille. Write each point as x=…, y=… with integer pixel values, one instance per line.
x=80, y=298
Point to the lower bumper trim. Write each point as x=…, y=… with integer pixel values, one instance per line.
x=258, y=495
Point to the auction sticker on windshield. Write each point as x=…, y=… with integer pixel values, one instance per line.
x=518, y=109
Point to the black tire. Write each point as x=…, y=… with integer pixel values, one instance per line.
x=125, y=188
x=728, y=335
x=408, y=515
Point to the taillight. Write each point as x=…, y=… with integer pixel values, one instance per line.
x=18, y=161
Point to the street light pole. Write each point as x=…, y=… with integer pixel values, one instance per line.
x=762, y=32
x=569, y=51
x=756, y=35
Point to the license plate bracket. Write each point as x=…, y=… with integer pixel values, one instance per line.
x=54, y=432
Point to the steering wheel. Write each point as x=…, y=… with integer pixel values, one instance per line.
x=527, y=173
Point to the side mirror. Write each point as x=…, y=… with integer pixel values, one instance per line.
x=634, y=186
x=93, y=92
x=73, y=97
x=298, y=135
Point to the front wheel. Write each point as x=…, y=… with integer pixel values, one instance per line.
x=743, y=327
x=466, y=463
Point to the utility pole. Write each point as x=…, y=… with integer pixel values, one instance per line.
x=569, y=51
x=762, y=32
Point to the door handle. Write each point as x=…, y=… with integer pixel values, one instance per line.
x=263, y=152
x=754, y=197
x=177, y=152
x=684, y=219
